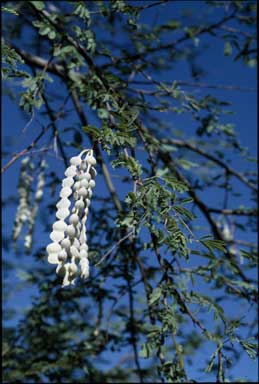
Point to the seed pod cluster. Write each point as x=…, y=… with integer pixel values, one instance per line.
x=69, y=242
x=34, y=209
x=28, y=204
x=24, y=192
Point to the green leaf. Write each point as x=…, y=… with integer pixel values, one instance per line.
x=103, y=113
x=52, y=35
x=145, y=351
x=9, y=10
x=39, y=5
x=92, y=130
x=250, y=347
x=213, y=244
x=155, y=295
x=227, y=48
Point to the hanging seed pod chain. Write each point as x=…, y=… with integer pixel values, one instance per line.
x=69, y=242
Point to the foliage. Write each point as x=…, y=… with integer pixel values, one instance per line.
x=172, y=264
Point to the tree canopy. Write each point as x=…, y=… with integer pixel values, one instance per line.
x=171, y=295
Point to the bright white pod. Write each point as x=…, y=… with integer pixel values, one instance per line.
x=70, y=230
x=71, y=171
x=86, y=211
x=62, y=213
x=62, y=256
x=87, y=202
x=89, y=194
x=74, y=252
x=59, y=225
x=83, y=253
x=84, y=246
x=82, y=237
x=91, y=183
x=75, y=160
x=65, y=280
x=66, y=243
x=67, y=182
x=87, y=176
x=76, y=243
x=57, y=236
x=65, y=192
x=82, y=192
x=84, y=264
x=79, y=204
x=84, y=183
x=74, y=219
x=63, y=203
x=53, y=258
x=90, y=160
x=38, y=195
x=82, y=176
x=53, y=248
x=72, y=268
x=77, y=185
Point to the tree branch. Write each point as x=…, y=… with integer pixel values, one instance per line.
x=230, y=171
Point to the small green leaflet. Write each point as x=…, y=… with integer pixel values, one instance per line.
x=155, y=295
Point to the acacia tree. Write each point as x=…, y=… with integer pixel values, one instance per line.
x=167, y=256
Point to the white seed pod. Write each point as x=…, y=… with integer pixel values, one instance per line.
x=66, y=243
x=59, y=225
x=53, y=248
x=65, y=192
x=68, y=182
x=76, y=243
x=84, y=265
x=83, y=246
x=86, y=211
x=82, y=237
x=82, y=192
x=72, y=268
x=84, y=183
x=65, y=280
x=75, y=195
x=87, y=202
x=74, y=219
x=91, y=183
x=89, y=194
x=62, y=213
x=75, y=160
x=63, y=203
x=74, y=252
x=82, y=176
x=79, y=204
x=62, y=256
x=83, y=253
x=77, y=185
x=70, y=230
x=57, y=236
x=90, y=160
x=87, y=176
x=71, y=171
x=38, y=195
x=53, y=258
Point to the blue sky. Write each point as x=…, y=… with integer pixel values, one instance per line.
x=221, y=70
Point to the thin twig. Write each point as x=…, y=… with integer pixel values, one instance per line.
x=114, y=247
x=231, y=171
